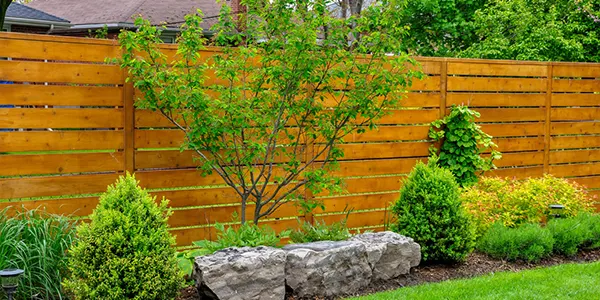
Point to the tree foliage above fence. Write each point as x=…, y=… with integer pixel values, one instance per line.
x=269, y=110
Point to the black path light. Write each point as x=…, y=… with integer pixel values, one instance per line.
x=556, y=210
x=10, y=281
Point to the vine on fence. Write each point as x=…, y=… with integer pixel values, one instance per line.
x=462, y=145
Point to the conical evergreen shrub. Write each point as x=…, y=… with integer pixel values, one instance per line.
x=126, y=251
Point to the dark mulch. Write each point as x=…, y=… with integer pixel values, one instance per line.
x=476, y=264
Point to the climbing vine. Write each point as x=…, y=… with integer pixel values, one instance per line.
x=463, y=144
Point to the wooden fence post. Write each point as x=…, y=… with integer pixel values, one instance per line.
x=443, y=87
x=308, y=195
x=548, y=120
x=128, y=124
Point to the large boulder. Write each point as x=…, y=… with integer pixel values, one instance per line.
x=390, y=254
x=241, y=273
x=327, y=268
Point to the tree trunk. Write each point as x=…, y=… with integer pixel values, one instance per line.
x=3, y=8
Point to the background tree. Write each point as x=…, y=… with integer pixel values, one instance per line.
x=440, y=27
x=541, y=30
x=269, y=111
x=4, y=4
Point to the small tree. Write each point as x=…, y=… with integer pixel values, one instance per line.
x=269, y=109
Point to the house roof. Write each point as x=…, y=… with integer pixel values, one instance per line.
x=124, y=11
x=16, y=10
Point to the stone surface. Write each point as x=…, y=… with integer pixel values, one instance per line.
x=390, y=254
x=327, y=268
x=241, y=273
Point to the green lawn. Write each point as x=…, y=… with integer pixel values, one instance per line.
x=570, y=281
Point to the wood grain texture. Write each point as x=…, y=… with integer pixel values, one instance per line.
x=37, y=164
x=17, y=141
x=465, y=68
x=496, y=84
x=33, y=71
x=28, y=94
x=61, y=118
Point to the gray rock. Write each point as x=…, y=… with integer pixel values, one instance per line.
x=241, y=273
x=327, y=268
x=390, y=254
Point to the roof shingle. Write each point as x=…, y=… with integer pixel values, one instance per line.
x=124, y=11
x=16, y=10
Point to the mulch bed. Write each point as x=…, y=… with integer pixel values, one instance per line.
x=476, y=264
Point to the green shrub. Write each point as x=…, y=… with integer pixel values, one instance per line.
x=36, y=242
x=528, y=242
x=429, y=211
x=592, y=223
x=514, y=202
x=569, y=235
x=126, y=252
x=320, y=231
x=245, y=235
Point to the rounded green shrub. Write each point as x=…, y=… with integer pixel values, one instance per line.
x=125, y=252
x=569, y=235
x=430, y=212
x=529, y=242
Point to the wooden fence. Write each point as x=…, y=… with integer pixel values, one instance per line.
x=74, y=130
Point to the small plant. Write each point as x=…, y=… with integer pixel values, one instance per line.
x=529, y=242
x=515, y=202
x=430, y=212
x=185, y=259
x=36, y=242
x=463, y=143
x=569, y=235
x=320, y=231
x=592, y=222
x=126, y=252
x=246, y=235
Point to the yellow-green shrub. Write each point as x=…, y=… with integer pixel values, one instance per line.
x=514, y=202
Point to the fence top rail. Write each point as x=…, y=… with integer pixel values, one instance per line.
x=93, y=41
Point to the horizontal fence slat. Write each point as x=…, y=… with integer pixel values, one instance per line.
x=520, y=159
x=576, y=71
x=495, y=99
x=29, y=94
x=61, y=118
x=50, y=50
x=376, y=167
x=570, y=142
x=427, y=99
x=575, y=85
x=517, y=173
x=32, y=71
x=429, y=83
x=55, y=185
x=572, y=114
x=174, y=138
x=150, y=119
x=513, y=129
x=359, y=202
x=496, y=84
x=357, y=219
x=79, y=207
x=575, y=99
x=575, y=170
x=60, y=163
x=383, y=150
x=591, y=182
x=558, y=128
x=574, y=156
x=17, y=141
x=466, y=68
x=509, y=114
x=158, y=179
x=519, y=144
